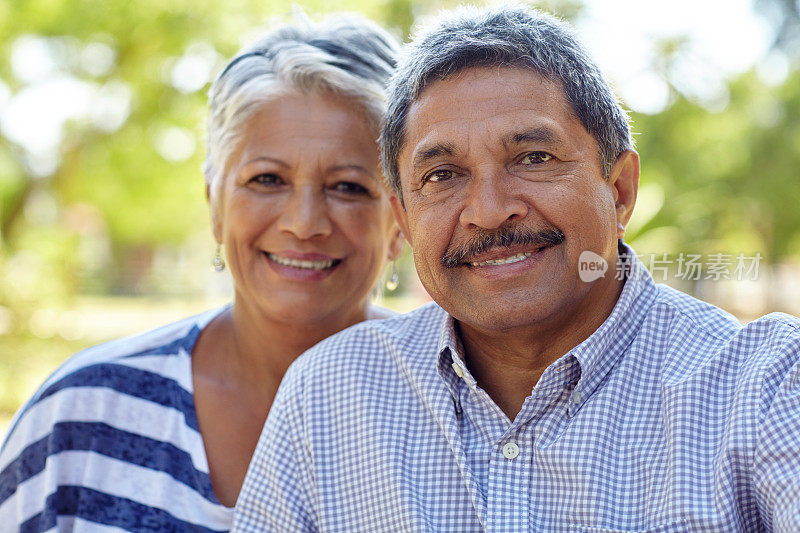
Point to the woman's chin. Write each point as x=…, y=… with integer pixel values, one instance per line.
x=312, y=309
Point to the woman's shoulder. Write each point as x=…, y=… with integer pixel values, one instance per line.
x=152, y=366
x=172, y=339
x=111, y=418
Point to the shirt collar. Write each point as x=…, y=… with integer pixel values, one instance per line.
x=596, y=355
x=599, y=353
x=451, y=367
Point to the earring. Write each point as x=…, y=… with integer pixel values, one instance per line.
x=394, y=279
x=218, y=263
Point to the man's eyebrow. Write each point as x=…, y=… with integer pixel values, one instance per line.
x=426, y=153
x=534, y=135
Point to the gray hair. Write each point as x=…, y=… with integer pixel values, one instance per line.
x=346, y=55
x=505, y=36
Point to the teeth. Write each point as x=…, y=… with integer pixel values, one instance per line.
x=299, y=263
x=505, y=261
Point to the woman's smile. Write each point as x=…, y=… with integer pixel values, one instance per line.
x=297, y=266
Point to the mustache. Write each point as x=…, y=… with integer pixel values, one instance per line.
x=503, y=237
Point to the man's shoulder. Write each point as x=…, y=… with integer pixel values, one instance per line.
x=709, y=319
x=775, y=338
x=770, y=340
x=374, y=344
x=704, y=318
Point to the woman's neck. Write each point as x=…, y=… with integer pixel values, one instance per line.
x=264, y=346
x=237, y=366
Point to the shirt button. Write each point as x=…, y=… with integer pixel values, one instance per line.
x=510, y=450
x=576, y=397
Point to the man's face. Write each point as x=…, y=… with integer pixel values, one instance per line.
x=503, y=190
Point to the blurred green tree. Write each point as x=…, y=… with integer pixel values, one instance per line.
x=723, y=180
x=121, y=88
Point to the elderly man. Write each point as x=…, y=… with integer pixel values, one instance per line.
x=539, y=394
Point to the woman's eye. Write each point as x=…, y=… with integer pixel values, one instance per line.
x=536, y=158
x=350, y=187
x=265, y=179
x=438, y=175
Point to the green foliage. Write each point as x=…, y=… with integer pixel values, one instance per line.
x=132, y=185
x=729, y=179
x=27, y=360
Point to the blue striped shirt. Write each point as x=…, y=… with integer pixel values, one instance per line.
x=671, y=416
x=110, y=442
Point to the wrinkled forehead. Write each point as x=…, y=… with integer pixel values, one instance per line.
x=492, y=102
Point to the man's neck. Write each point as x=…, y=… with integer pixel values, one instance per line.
x=508, y=364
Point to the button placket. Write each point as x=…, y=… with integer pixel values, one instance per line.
x=576, y=397
x=510, y=450
x=508, y=494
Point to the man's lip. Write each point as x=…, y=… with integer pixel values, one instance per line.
x=504, y=252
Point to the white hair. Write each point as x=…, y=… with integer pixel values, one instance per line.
x=347, y=56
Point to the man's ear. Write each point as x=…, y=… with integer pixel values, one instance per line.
x=624, y=180
x=400, y=216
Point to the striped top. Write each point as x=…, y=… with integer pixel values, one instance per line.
x=110, y=442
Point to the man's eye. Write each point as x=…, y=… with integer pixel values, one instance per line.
x=350, y=187
x=266, y=179
x=536, y=158
x=438, y=175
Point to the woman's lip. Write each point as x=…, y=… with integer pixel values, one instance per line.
x=304, y=256
x=291, y=273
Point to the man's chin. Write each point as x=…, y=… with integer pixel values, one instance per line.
x=503, y=315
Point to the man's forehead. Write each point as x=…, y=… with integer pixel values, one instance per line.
x=482, y=97
x=477, y=82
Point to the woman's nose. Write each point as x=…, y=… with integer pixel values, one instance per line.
x=305, y=214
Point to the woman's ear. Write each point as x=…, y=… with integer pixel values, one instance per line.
x=396, y=243
x=216, y=225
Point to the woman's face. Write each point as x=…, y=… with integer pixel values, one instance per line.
x=301, y=211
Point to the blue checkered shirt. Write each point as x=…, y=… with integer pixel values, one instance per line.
x=670, y=417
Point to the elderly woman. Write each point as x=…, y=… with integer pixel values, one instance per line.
x=155, y=432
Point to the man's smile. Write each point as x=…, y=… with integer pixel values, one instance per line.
x=502, y=247
x=505, y=261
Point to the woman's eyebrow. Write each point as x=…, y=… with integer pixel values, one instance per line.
x=357, y=168
x=268, y=159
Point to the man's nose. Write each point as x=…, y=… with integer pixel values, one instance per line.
x=491, y=201
x=305, y=214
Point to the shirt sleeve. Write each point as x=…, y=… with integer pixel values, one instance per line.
x=777, y=456
x=28, y=474
x=277, y=494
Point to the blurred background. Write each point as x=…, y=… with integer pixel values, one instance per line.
x=104, y=229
